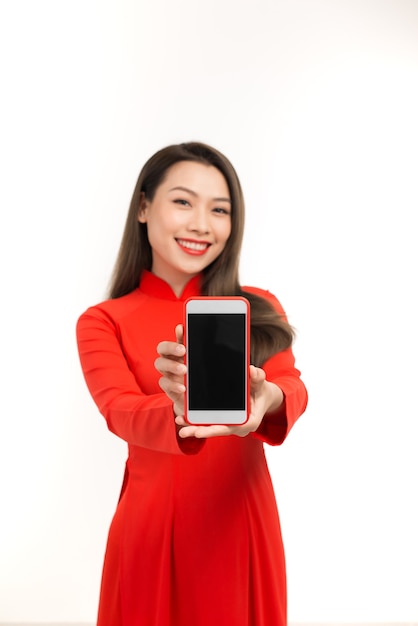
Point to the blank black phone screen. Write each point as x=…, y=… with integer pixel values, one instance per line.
x=216, y=361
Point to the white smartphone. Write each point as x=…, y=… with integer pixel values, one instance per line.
x=217, y=331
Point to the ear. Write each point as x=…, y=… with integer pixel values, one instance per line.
x=143, y=209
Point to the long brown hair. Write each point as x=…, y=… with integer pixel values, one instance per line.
x=269, y=332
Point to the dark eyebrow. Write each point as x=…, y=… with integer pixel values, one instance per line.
x=193, y=193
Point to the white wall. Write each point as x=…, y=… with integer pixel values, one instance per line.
x=315, y=102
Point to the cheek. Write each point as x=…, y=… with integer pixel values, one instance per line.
x=171, y=221
x=225, y=231
x=164, y=223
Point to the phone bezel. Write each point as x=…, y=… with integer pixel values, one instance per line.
x=222, y=305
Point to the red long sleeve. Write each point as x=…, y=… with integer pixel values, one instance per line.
x=117, y=363
x=280, y=369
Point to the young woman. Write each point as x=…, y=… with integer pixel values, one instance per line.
x=195, y=539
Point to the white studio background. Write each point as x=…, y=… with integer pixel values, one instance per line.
x=315, y=102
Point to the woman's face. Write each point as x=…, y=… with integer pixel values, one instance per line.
x=188, y=221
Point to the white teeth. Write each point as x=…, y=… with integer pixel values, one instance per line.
x=192, y=245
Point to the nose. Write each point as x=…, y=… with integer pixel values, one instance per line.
x=199, y=221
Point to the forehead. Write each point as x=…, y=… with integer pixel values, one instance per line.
x=198, y=177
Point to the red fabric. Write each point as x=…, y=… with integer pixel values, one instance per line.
x=195, y=540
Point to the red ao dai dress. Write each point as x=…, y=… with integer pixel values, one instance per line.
x=195, y=539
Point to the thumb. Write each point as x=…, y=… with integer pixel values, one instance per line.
x=257, y=375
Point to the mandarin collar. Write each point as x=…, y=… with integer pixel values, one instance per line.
x=154, y=286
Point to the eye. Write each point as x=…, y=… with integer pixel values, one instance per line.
x=182, y=202
x=221, y=210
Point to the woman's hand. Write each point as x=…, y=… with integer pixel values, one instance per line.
x=171, y=366
x=265, y=397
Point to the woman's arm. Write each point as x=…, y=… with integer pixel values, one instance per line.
x=145, y=420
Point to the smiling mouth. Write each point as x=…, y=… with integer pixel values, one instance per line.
x=193, y=246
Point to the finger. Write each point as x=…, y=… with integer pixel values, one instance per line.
x=179, y=333
x=170, y=367
x=173, y=388
x=171, y=349
x=200, y=432
x=207, y=432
